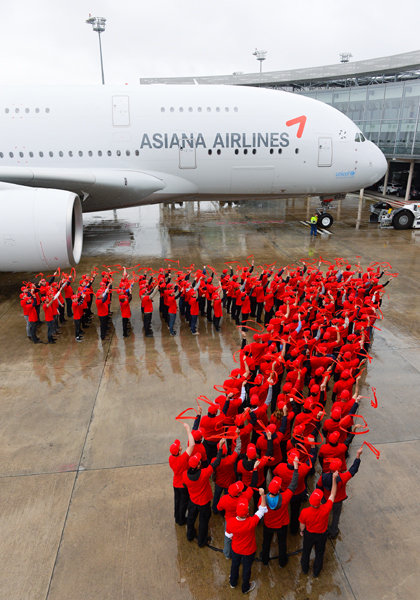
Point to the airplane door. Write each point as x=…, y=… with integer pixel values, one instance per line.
x=120, y=111
x=324, y=152
x=187, y=155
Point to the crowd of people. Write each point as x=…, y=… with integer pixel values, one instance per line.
x=285, y=417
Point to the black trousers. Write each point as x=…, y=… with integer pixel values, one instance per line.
x=180, y=505
x=309, y=541
x=76, y=327
x=295, y=504
x=103, y=321
x=32, y=329
x=282, y=541
x=216, y=323
x=147, y=323
x=260, y=306
x=69, y=308
x=125, y=324
x=204, y=513
x=246, y=561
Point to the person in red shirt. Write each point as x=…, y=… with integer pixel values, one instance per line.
x=225, y=474
x=197, y=481
x=217, y=310
x=77, y=310
x=147, y=309
x=102, y=308
x=237, y=492
x=178, y=461
x=244, y=545
x=49, y=318
x=313, y=527
x=276, y=520
x=332, y=449
x=325, y=483
x=125, y=299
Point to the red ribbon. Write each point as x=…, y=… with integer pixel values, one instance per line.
x=357, y=432
x=374, y=401
x=181, y=414
x=372, y=447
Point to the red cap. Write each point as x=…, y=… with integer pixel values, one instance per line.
x=255, y=400
x=291, y=455
x=345, y=422
x=197, y=435
x=336, y=413
x=235, y=488
x=287, y=387
x=242, y=509
x=251, y=451
x=315, y=498
x=212, y=409
x=334, y=437
x=335, y=464
x=194, y=460
x=315, y=390
x=174, y=448
x=345, y=374
x=344, y=395
x=307, y=405
x=275, y=486
x=272, y=428
x=319, y=371
x=347, y=355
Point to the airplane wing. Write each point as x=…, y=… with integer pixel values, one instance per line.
x=99, y=189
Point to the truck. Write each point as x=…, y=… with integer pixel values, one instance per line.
x=404, y=216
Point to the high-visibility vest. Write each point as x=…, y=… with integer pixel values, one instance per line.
x=314, y=220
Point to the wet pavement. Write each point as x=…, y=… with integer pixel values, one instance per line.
x=86, y=495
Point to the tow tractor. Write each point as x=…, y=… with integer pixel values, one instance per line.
x=400, y=215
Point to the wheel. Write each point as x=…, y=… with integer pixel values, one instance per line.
x=325, y=220
x=403, y=220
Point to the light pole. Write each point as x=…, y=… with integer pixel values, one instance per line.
x=98, y=24
x=260, y=56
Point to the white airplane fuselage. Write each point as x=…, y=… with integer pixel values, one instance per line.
x=64, y=150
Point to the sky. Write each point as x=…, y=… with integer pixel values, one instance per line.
x=48, y=41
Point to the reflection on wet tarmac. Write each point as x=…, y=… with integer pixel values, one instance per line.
x=86, y=490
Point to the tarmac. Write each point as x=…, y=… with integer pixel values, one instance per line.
x=86, y=490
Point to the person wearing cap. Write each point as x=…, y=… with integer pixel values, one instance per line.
x=286, y=471
x=197, y=481
x=244, y=545
x=330, y=450
x=325, y=483
x=313, y=527
x=103, y=308
x=178, y=461
x=276, y=520
x=225, y=472
x=250, y=463
x=216, y=303
x=77, y=310
x=237, y=492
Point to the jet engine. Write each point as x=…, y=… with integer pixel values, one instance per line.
x=40, y=229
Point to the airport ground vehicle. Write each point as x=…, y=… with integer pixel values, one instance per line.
x=406, y=216
x=414, y=194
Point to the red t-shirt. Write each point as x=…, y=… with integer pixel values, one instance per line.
x=125, y=307
x=285, y=471
x=243, y=541
x=225, y=472
x=229, y=503
x=178, y=465
x=49, y=313
x=316, y=519
x=200, y=491
x=274, y=519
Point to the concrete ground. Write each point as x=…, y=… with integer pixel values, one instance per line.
x=86, y=496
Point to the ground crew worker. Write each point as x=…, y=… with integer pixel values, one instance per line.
x=178, y=461
x=197, y=480
x=314, y=226
x=313, y=527
x=276, y=520
x=244, y=545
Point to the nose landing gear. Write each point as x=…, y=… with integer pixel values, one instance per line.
x=325, y=219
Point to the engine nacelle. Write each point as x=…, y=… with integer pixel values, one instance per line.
x=40, y=229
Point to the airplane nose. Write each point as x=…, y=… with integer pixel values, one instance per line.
x=378, y=162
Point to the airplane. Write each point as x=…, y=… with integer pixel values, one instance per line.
x=75, y=149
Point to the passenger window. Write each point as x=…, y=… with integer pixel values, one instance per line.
x=245, y=151
x=279, y=150
x=99, y=152
x=109, y=153
x=218, y=151
x=296, y=150
x=226, y=108
x=118, y=152
x=11, y=154
x=172, y=109
x=271, y=150
x=1, y=154
x=51, y=153
x=162, y=109
x=47, y=110
x=26, y=110
x=235, y=109
x=21, y=154
x=209, y=152
x=236, y=151
x=61, y=154
x=31, y=154
x=217, y=108
x=254, y=151
x=181, y=109
x=208, y=109
x=16, y=110
x=80, y=153
x=127, y=153
x=199, y=109
x=90, y=153
x=6, y=110
x=41, y=154
x=37, y=110
x=190, y=109
x=136, y=152
x=70, y=153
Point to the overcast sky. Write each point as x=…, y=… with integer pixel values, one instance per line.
x=47, y=41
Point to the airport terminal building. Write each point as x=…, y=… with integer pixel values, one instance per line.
x=382, y=96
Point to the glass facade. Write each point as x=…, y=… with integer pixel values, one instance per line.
x=388, y=113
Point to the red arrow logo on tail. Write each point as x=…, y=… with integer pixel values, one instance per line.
x=299, y=120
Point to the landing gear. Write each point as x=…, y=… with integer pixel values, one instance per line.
x=325, y=220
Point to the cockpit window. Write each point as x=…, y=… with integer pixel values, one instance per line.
x=362, y=137
x=357, y=137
